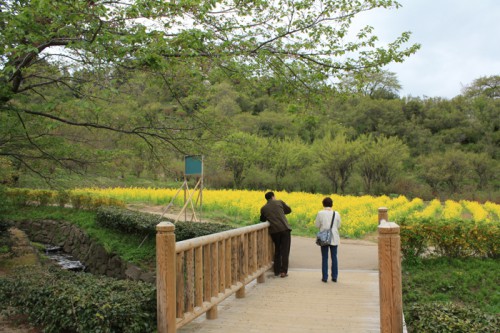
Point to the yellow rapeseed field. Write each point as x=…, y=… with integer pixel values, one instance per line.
x=359, y=213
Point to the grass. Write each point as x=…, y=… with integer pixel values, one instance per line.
x=474, y=282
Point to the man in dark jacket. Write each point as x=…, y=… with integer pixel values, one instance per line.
x=274, y=211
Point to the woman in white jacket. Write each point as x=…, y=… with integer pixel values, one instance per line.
x=326, y=218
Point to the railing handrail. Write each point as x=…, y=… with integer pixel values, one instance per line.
x=212, y=238
x=195, y=275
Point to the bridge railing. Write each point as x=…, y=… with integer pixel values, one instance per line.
x=195, y=275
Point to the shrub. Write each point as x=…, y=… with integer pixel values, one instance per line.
x=450, y=238
x=188, y=230
x=414, y=240
x=92, y=202
x=80, y=302
x=449, y=317
x=41, y=197
x=18, y=197
x=125, y=220
x=454, y=238
x=130, y=221
x=79, y=201
x=62, y=198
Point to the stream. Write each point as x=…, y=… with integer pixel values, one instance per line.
x=64, y=260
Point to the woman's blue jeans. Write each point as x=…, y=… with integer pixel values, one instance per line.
x=324, y=262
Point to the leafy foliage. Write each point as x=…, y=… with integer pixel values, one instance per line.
x=128, y=221
x=449, y=318
x=453, y=238
x=64, y=69
x=79, y=302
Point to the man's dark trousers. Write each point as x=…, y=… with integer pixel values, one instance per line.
x=281, y=242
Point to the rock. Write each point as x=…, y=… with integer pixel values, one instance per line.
x=133, y=272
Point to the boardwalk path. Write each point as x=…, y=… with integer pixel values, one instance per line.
x=301, y=302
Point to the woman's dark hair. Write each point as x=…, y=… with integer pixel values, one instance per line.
x=327, y=202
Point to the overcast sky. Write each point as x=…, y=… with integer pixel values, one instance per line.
x=460, y=42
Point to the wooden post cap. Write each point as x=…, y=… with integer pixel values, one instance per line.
x=165, y=227
x=388, y=228
x=382, y=209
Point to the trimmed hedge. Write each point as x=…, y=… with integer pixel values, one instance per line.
x=62, y=301
x=23, y=197
x=125, y=220
x=449, y=318
x=451, y=238
x=129, y=221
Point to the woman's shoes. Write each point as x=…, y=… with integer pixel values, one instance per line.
x=283, y=275
x=324, y=280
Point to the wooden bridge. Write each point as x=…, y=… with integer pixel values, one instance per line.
x=226, y=276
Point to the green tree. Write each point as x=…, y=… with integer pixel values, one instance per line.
x=377, y=116
x=238, y=152
x=285, y=156
x=54, y=51
x=337, y=158
x=481, y=102
x=381, y=161
x=225, y=99
x=487, y=86
x=445, y=170
x=376, y=85
x=485, y=169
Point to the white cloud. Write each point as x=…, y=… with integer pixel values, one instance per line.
x=460, y=43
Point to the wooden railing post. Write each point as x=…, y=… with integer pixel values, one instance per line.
x=382, y=215
x=389, y=256
x=166, y=278
x=243, y=249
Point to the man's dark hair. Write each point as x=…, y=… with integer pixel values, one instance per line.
x=269, y=195
x=327, y=202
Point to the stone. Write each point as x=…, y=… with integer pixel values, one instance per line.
x=148, y=277
x=133, y=272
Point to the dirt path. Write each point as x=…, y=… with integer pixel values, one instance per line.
x=352, y=254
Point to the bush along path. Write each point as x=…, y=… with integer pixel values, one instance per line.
x=86, y=302
x=55, y=300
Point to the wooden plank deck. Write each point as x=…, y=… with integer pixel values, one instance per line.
x=300, y=303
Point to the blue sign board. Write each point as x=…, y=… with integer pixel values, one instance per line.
x=193, y=165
